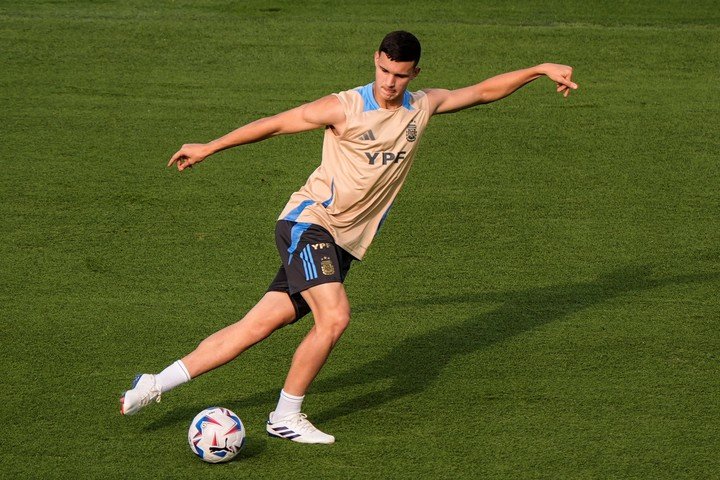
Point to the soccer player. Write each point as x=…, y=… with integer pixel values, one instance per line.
x=371, y=136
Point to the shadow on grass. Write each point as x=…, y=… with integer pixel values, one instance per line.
x=415, y=363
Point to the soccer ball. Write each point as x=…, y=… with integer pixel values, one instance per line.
x=216, y=435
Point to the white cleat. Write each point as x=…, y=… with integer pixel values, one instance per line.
x=297, y=427
x=144, y=390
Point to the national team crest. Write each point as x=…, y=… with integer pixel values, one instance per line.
x=411, y=132
x=327, y=266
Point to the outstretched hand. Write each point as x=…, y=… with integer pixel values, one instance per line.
x=562, y=76
x=189, y=155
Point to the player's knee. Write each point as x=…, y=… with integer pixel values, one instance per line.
x=333, y=323
x=262, y=328
x=257, y=331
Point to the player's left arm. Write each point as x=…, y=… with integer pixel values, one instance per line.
x=326, y=111
x=499, y=86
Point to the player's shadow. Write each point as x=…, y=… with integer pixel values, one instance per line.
x=412, y=365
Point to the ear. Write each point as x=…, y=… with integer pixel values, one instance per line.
x=377, y=57
x=416, y=72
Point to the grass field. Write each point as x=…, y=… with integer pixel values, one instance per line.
x=543, y=301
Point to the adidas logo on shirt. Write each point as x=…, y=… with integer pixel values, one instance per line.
x=367, y=135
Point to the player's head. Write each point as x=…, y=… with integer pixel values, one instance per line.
x=396, y=65
x=401, y=46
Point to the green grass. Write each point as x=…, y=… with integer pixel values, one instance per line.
x=542, y=302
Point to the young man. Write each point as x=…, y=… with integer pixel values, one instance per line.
x=371, y=135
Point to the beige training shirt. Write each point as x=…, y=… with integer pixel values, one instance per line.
x=362, y=170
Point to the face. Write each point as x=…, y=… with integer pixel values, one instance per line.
x=392, y=78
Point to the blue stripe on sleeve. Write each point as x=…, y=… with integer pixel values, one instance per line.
x=368, y=98
x=406, y=100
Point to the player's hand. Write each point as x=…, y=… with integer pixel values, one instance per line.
x=189, y=155
x=562, y=76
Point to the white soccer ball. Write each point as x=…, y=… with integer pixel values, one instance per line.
x=216, y=435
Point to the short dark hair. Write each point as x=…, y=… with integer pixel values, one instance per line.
x=401, y=46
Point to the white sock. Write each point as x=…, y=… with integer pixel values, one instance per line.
x=287, y=405
x=174, y=375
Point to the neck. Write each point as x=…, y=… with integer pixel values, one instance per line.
x=387, y=104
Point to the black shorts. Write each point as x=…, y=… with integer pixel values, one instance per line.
x=309, y=257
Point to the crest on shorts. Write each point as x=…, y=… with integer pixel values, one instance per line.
x=411, y=132
x=327, y=266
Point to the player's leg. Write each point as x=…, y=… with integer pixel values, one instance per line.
x=273, y=311
x=315, y=267
x=331, y=310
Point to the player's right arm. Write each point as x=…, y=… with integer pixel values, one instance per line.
x=326, y=111
x=498, y=87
